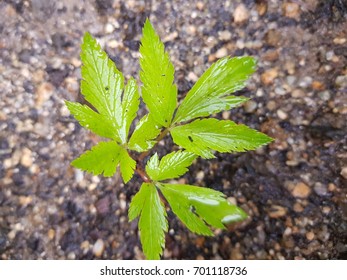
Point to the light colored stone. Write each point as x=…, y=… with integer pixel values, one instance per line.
x=109, y=28
x=341, y=81
x=269, y=76
x=122, y=204
x=250, y=106
x=43, y=93
x=98, y=248
x=200, y=175
x=271, y=105
x=224, y=35
x=200, y=5
x=114, y=44
x=25, y=200
x=291, y=10
x=192, y=77
x=26, y=158
x=277, y=211
x=51, y=234
x=76, y=62
x=298, y=93
x=320, y=189
x=340, y=40
x=281, y=114
x=298, y=207
x=241, y=14
x=301, y=190
x=344, y=172
x=222, y=52
x=310, y=236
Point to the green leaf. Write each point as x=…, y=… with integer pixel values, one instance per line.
x=211, y=93
x=203, y=136
x=153, y=224
x=130, y=105
x=170, y=166
x=91, y=120
x=157, y=76
x=104, y=158
x=127, y=165
x=143, y=137
x=102, y=82
x=196, y=206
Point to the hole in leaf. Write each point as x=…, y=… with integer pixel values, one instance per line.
x=190, y=139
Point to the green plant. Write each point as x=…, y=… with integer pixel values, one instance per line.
x=188, y=123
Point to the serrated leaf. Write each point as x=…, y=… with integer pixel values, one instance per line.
x=152, y=224
x=170, y=166
x=102, y=83
x=157, y=76
x=127, y=165
x=203, y=136
x=143, y=137
x=102, y=158
x=130, y=105
x=211, y=93
x=196, y=206
x=92, y=120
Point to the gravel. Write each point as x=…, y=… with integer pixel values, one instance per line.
x=294, y=190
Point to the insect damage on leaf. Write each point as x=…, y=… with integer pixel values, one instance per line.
x=115, y=107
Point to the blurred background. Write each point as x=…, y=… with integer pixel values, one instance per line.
x=294, y=189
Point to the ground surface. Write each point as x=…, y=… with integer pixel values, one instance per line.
x=294, y=189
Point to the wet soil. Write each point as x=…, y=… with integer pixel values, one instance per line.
x=294, y=190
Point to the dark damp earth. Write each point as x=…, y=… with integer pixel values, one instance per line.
x=294, y=189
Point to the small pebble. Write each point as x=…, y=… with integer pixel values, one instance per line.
x=98, y=248
x=277, y=211
x=26, y=159
x=222, y=52
x=271, y=105
x=339, y=40
x=326, y=210
x=344, y=172
x=298, y=93
x=282, y=115
x=241, y=14
x=192, y=77
x=310, y=236
x=298, y=207
x=51, y=234
x=226, y=115
x=301, y=190
x=291, y=10
x=341, y=81
x=324, y=95
x=43, y=93
x=224, y=35
x=200, y=175
x=269, y=76
x=250, y=106
x=109, y=28
x=71, y=256
x=320, y=189
x=25, y=200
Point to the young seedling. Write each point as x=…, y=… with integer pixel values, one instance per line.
x=189, y=124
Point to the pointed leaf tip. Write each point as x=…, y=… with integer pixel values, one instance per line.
x=212, y=92
x=159, y=92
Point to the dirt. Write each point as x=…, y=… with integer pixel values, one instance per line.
x=294, y=190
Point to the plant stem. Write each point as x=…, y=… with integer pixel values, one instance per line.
x=143, y=174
